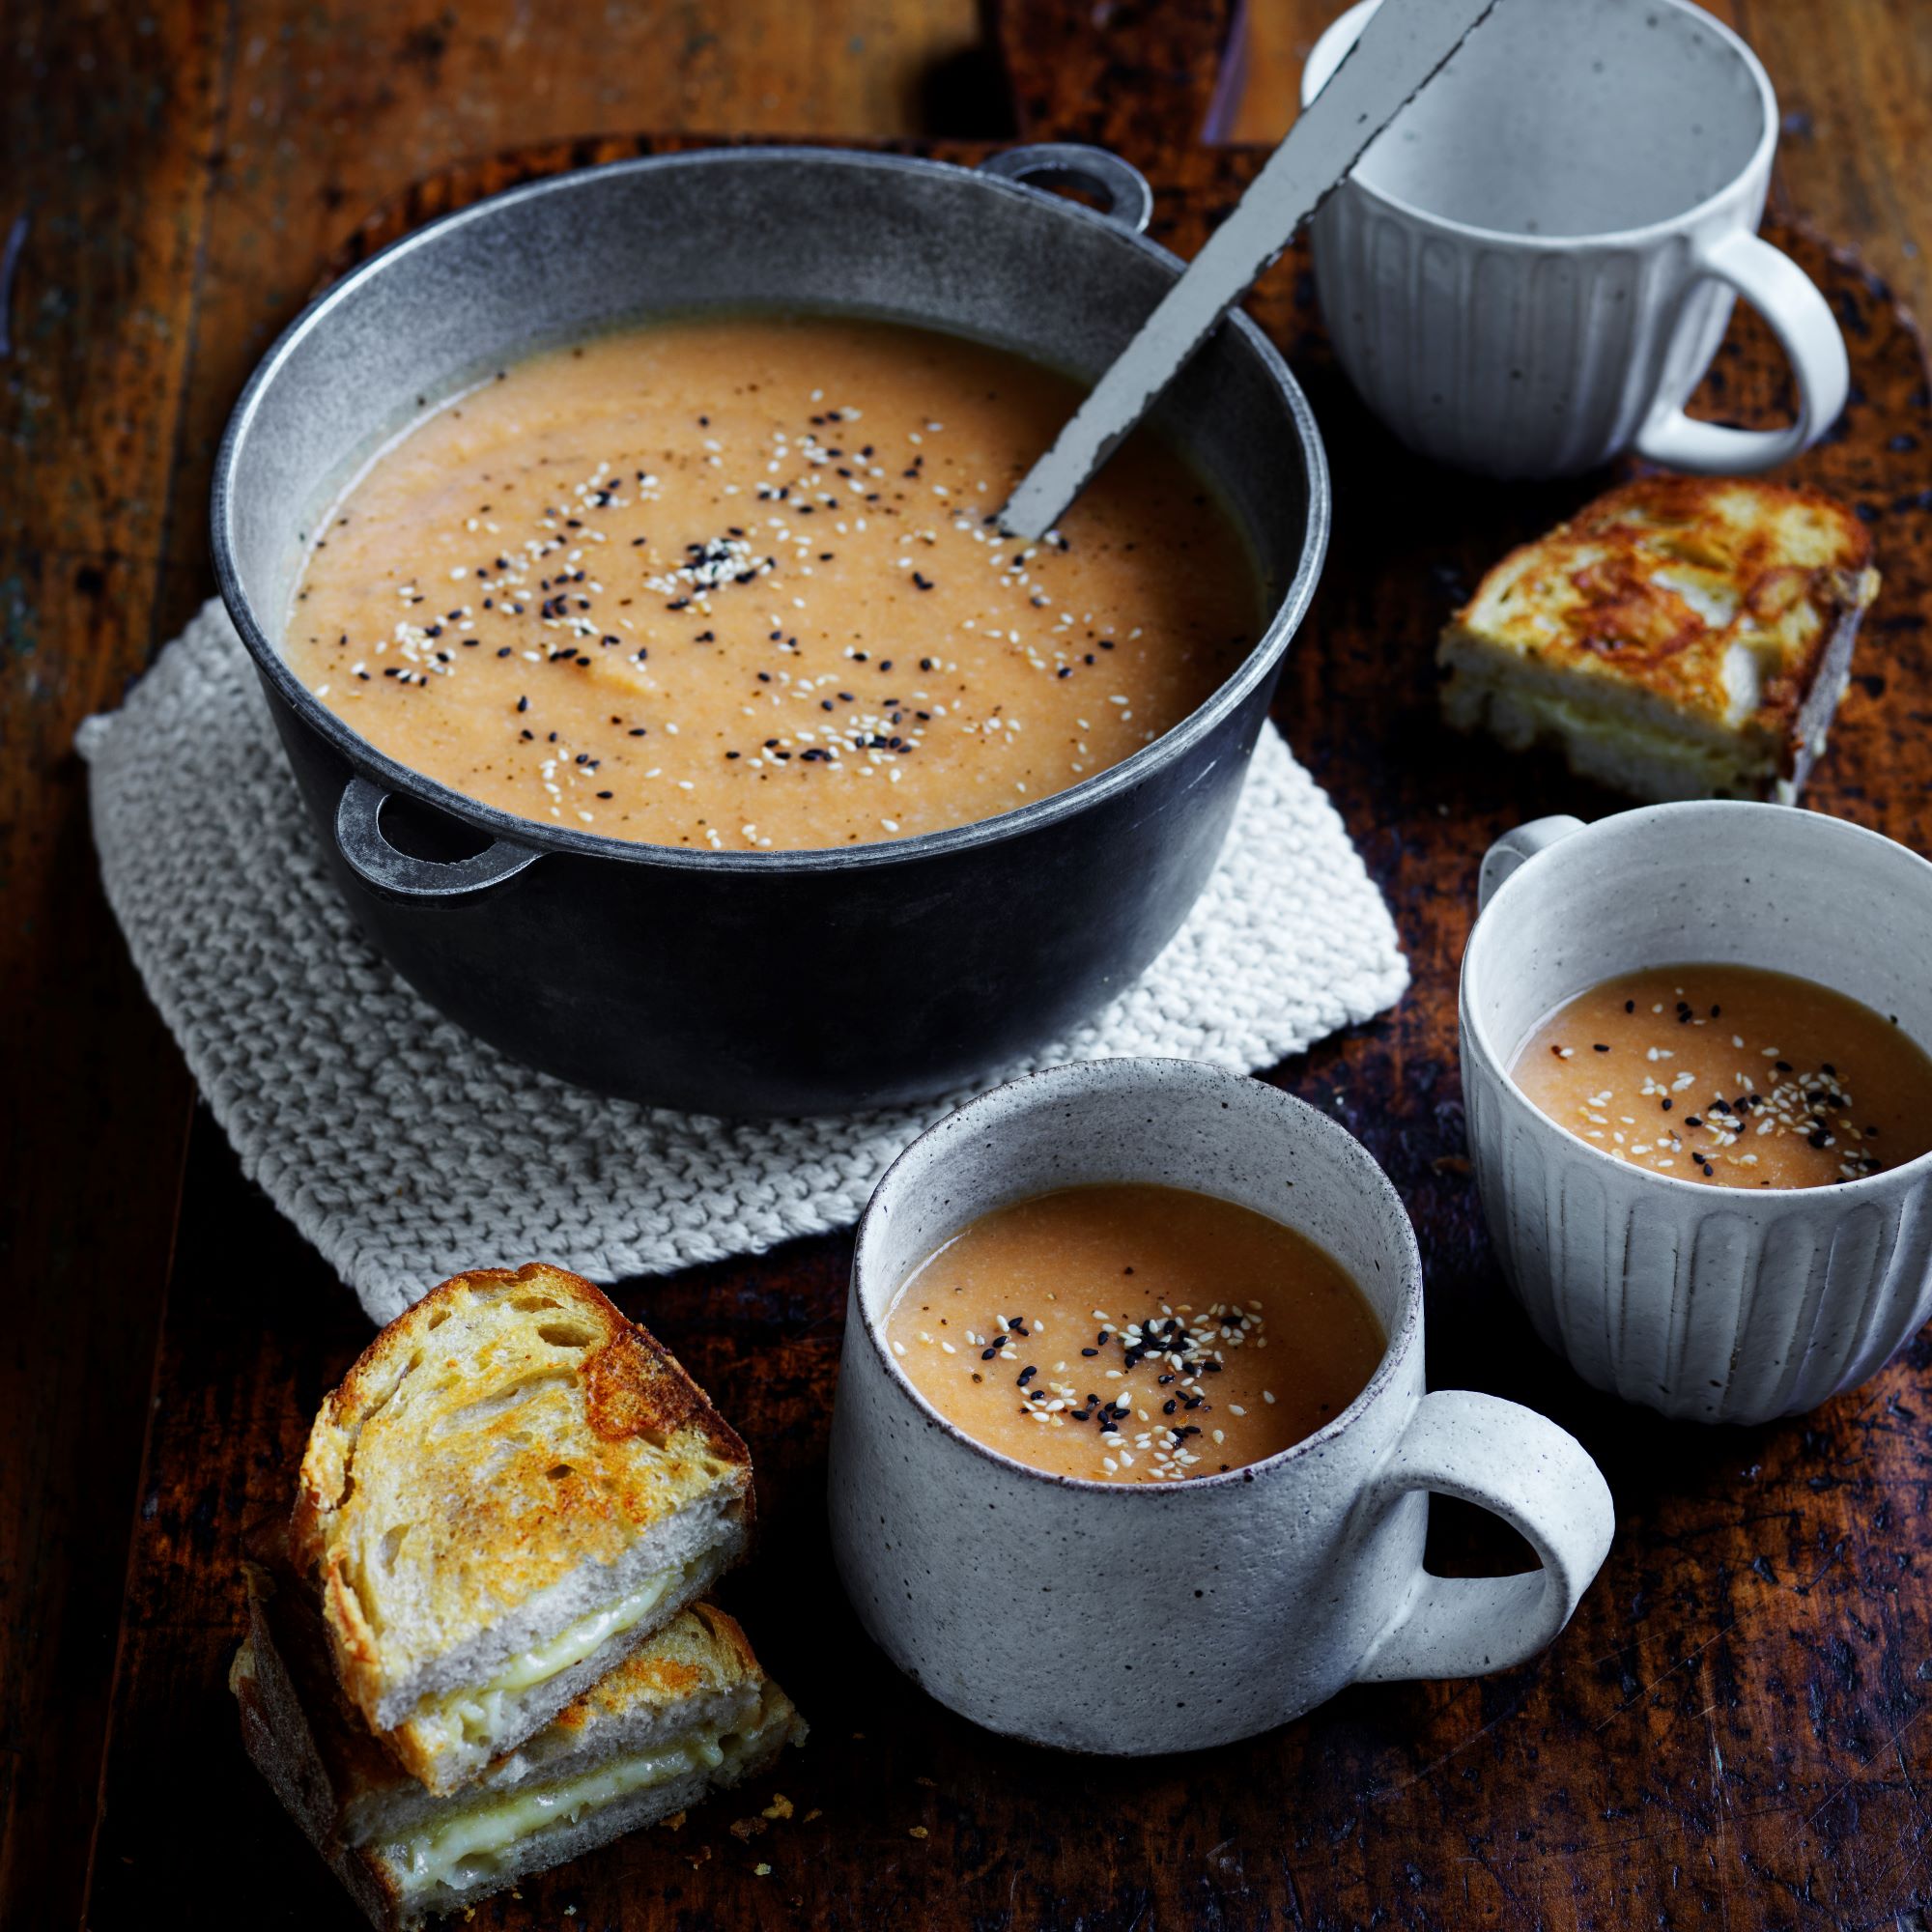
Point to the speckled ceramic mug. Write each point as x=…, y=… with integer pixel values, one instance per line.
x=1532, y=268
x=1717, y=1304
x=1136, y=1619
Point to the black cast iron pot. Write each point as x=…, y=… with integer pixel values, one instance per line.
x=765, y=982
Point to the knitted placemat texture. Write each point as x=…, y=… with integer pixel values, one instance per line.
x=407, y=1151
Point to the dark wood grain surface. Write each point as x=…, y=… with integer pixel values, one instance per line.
x=1729, y=1732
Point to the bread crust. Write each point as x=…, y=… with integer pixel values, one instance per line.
x=507, y=1430
x=311, y=1765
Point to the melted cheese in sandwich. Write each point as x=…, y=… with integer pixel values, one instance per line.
x=476, y=1712
x=463, y=1847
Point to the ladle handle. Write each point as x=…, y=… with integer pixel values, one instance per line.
x=1396, y=55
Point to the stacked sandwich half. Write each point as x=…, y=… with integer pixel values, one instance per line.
x=481, y=1648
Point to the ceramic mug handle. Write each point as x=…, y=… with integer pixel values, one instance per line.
x=1542, y=1484
x=1517, y=847
x=1802, y=320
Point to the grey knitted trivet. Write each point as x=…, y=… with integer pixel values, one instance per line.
x=407, y=1151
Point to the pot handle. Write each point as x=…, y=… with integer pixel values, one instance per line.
x=397, y=874
x=1542, y=1484
x=1128, y=200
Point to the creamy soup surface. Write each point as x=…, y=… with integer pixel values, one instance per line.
x=1732, y=1076
x=1134, y=1334
x=731, y=583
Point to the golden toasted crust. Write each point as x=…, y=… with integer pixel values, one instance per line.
x=504, y=1429
x=1711, y=606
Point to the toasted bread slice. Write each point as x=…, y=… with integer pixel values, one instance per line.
x=1679, y=638
x=688, y=1713
x=512, y=1489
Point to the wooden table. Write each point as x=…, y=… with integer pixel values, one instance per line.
x=1728, y=1735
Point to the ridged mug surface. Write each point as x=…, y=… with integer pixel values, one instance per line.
x=1711, y=1303
x=1508, y=360
x=1532, y=268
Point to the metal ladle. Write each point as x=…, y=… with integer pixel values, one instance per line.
x=1400, y=50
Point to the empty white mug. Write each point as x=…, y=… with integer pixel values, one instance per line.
x=1530, y=271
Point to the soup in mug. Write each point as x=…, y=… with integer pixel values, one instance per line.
x=1731, y=1076
x=1130, y=1333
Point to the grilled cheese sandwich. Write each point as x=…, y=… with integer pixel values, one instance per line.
x=512, y=1489
x=1679, y=637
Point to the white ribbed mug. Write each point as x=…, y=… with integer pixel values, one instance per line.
x=1532, y=268
x=1715, y=1304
